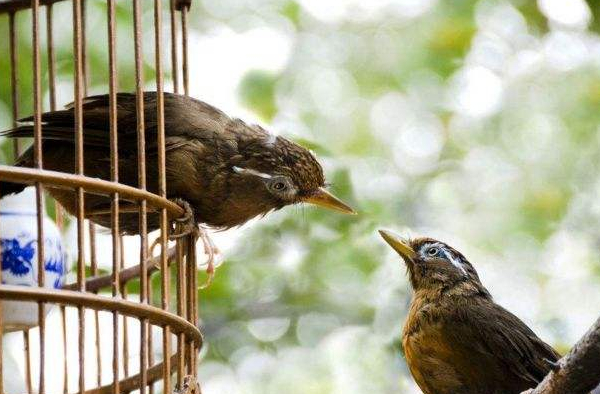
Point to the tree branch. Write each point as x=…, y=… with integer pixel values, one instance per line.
x=579, y=371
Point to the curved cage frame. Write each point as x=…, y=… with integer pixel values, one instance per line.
x=175, y=319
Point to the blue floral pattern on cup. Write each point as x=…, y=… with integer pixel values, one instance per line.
x=17, y=258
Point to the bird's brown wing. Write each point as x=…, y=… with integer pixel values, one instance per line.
x=59, y=125
x=499, y=334
x=184, y=117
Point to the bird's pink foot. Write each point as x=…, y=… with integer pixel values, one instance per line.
x=212, y=251
x=187, y=225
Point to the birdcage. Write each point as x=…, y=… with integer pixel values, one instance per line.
x=162, y=337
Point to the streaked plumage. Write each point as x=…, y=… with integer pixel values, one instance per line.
x=456, y=339
x=203, y=145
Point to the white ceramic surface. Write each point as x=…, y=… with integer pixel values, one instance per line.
x=18, y=243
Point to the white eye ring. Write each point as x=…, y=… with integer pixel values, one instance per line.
x=433, y=251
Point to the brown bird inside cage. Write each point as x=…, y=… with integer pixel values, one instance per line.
x=223, y=171
x=456, y=339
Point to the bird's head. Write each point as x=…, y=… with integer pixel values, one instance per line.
x=280, y=172
x=434, y=265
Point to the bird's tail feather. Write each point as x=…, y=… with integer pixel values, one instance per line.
x=25, y=160
x=7, y=188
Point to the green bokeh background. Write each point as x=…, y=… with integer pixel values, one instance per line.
x=475, y=122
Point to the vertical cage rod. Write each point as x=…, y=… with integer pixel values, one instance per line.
x=181, y=293
x=184, y=49
x=141, y=157
x=38, y=163
x=51, y=57
x=78, y=100
x=51, y=61
x=84, y=57
x=191, y=269
x=162, y=191
x=94, y=272
x=174, y=50
x=91, y=226
x=123, y=287
x=114, y=176
x=194, y=278
x=28, y=381
x=14, y=78
x=150, y=344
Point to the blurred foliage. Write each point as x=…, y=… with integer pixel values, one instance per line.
x=257, y=92
x=471, y=121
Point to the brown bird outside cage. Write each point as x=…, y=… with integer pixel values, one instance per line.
x=456, y=339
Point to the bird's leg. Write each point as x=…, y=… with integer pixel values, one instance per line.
x=212, y=251
x=188, y=226
x=187, y=222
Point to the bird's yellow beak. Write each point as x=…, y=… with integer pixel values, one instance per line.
x=398, y=244
x=325, y=199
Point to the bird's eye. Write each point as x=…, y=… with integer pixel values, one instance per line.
x=433, y=251
x=279, y=186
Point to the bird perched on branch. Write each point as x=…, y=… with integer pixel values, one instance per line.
x=225, y=171
x=456, y=339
